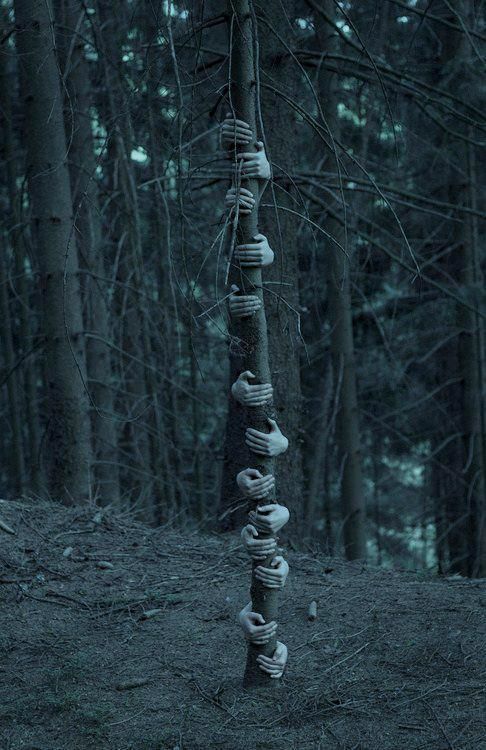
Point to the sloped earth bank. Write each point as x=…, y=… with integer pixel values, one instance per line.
x=393, y=661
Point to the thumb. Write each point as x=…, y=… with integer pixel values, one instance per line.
x=259, y=237
x=276, y=561
x=272, y=424
x=259, y=146
x=246, y=375
x=257, y=617
x=234, y=288
x=252, y=530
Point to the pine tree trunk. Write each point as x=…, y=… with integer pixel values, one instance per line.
x=68, y=432
x=125, y=218
x=251, y=331
x=473, y=342
x=92, y=251
x=281, y=278
x=342, y=342
x=15, y=406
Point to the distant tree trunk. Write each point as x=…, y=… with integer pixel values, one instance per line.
x=68, y=432
x=467, y=512
x=92, y=252
x=137, y=380
x=15, y=406
x=320, y=431
x=473, y=344
x=281, y=278
x=342, y=340
x=26, y=339
x=167, y=449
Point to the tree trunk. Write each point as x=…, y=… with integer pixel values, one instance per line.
x=251, y=331
x=26, y=337
x=473, y=343
x=280, y=226
x=125, y=217
x=84, y=183
x=15, y=406
x=342, y=341
x=68, y=432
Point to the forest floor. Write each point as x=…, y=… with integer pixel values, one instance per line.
x=394, y=661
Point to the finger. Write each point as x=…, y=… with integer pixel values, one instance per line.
x=261, y=485
x=272, y=670
x=244, y=191
x=250, y=246
x=262, y=447
x=247, y=155
x=249, y=254
x=257, y=434
x=267, y=577
x=247, y=298
x=256, y=449
x=241, y=123
x=241, y=135
x=266, y=508
x=229, y=129
x=266, y=571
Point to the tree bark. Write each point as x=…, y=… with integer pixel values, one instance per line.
x=68, y=444
x=15, y=405
x=84, y=184
x=34, y=474
x=252, y=331
x=342, y=339
x=280, y=226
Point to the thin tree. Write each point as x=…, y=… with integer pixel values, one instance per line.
x=251, y=331
x=67, y=444
x=85, y=188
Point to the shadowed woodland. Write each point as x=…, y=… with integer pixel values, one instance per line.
x=116, y=348
x=359, y=309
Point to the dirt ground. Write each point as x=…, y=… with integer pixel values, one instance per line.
x=393, y=662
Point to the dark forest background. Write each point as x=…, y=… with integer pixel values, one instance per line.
x=115, y=347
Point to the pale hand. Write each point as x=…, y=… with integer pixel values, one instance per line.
x=255, y=163
x=235, y=132
x=274, y=577
x=274, y=665
x=253, y=484
x=243, y=305
x=251, y=395
x=254, y=627
x=257, y=254
x=258, y=549
x=269, y=518
x=267, y=443
x=246, y=200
